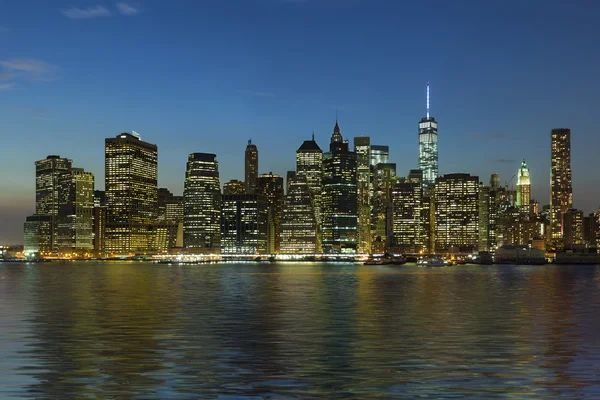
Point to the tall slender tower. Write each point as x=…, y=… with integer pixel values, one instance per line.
x=251, y=167
x=362, y=148
x=131, y=178
x=561, y=191
x=202, y=204
x=309, y=167
x=428, y=147
x=523, y=186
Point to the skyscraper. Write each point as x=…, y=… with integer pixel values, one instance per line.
x=379, y=154
x=523, y=186
x=202, y=204
x=298, y=224
x=234, y=187
x=244, y=219
x=456, y=213
x=407, y=223
x=75, y=217
x=428, y=147
x=362, y=148
x=384, y=178
x=309, y=167
x=561, y=191
x=251, y=167
x=271, y=186
x=573, y=229
x=131, y=174
x=339, y=200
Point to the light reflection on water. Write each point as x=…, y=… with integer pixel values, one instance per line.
x=145, y=331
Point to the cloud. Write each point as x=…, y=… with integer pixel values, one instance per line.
x=86, y=13
x=6, y=86
x=505, y=161
x=28, y=68
x=127, y=9
x=257, y=94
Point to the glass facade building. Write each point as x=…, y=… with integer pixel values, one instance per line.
x=339, y=197
x=561, y=190
x=379, y=154
x=271, y=186
x=251, y=167
x=407, y=224
x=309, y=167
x=202, y=204
x=362, y=148
x=298, y=224
x=131, y=174
x=428, y=147
x=244, y=220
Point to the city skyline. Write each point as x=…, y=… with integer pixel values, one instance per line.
x=491, y=116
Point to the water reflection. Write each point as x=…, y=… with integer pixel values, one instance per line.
x=133, y=330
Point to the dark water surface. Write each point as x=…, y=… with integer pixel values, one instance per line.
x=251, y=331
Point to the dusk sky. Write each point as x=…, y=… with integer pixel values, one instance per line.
x=206, y=76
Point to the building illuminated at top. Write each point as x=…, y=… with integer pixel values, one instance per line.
x=428, y=147
x=131, y=176
x=309, y=167
x=561, y=190
x=523, y=186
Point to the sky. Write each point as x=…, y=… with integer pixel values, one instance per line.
x=207, y=75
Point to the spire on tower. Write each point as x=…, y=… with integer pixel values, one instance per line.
x=427, y=100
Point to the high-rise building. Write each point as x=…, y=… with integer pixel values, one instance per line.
x=167, y=231
x=251, y=167
x=339, y=202
x=244, y=220
x=131, y=175
x=202, y=204
x=494, y=181
x=561, y=191
x=379, y=154
x=234, y=187
x=289, y=177
x=428, y=147
x=362, y=148
x=484, y=218
x=309, y=167
x=75, y=216
x=99, y=222
x=407, y=222
x=271, y=186
x=591, y=229
x=456, y=213
x=384, y=178
x=523, y=187
x=298, y=224
x=573, y=229
x=38, y=234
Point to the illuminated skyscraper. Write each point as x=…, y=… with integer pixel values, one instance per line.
x=362, y=148
x=244, y=219
x=202, y=204
x=523, y=186
x=407, y=222
x=298, y=225
x=75, y=217
x=271, y=186
x=234, y=187
x=428, y=147
x=251, y=167
x=309, y=167
x=379, y=154
x=131, y=174
x=339, y=200
x=573, y=229
x=384, y=178
x=561, y=191
x=456, y=213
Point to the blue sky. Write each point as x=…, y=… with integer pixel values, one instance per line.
x=207, y=75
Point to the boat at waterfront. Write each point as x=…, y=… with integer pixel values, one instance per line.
x=433, y=262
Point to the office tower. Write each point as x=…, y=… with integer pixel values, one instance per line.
x=234, y=187
x=407, y=222
x=384, y=177
x=456, y=213
x=99, y=230
x=494, y=181
x=561, y=191
x=298, y=224
x=339, y=202
x=99, y=198
x=167, y=230
x=517, y=228
x=170, y=207
x=484, y=218
x=251, y=169
x=573, y=228
x=428, y=147
x=415, y=176
x=131, y=175
x=379, y=154
x=289, y=177
x=38, y=234
x=309, y=167
x=244, y=219
x=428, y=220
x=202, y=204
x=75, y=216
x=362, y=148
x=52, y=183
x=591, y=229
x=523, y=186
x=271, y=186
